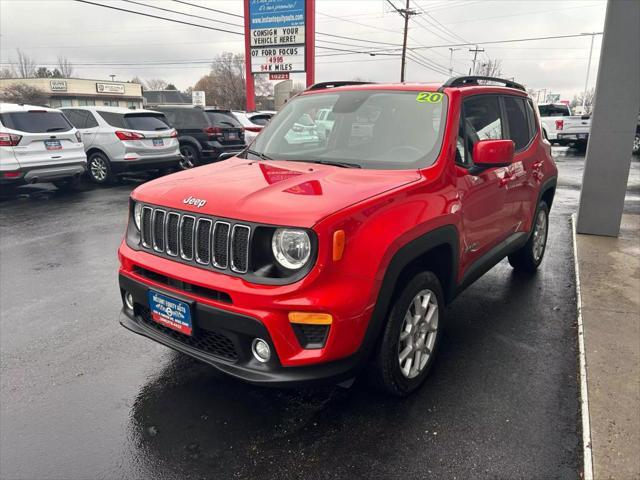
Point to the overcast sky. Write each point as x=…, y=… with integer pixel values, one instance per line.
x=92, y=36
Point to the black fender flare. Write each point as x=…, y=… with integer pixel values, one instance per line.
x=445, y=235
x=191, y=141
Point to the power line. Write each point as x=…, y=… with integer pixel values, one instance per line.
x=185, y=14
x=158, y=17
x=209, y=8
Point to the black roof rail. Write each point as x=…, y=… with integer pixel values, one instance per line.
x=339, y=83
x=473, y=80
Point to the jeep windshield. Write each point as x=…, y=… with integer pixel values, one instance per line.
x=374, y=129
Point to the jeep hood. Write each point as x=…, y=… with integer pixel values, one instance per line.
x=272, y=192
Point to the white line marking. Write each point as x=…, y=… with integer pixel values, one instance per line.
x=584, y=392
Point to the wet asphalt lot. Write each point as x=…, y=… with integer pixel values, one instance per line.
x=83, y=398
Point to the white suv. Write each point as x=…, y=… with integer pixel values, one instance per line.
x=119, y=140
x=38, y=144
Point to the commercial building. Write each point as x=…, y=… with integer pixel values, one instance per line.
x=67, y=92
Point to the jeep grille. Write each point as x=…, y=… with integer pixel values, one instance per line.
x=200, y=240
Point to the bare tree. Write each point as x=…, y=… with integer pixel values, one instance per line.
x=8, y=72
x=65, y=67
x=588, y=97
x=490, y=68
x=26, y=65
x=156, y=84
x=23, y=93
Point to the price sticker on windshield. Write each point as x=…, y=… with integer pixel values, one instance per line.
x=429, y=97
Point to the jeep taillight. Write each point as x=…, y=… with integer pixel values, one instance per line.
x=559, y=124
x=9, y=139
x=124, y=135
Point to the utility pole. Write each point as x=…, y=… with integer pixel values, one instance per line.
x=451, y=50
x=475, y=56
x=586, y=82
x=405, y=13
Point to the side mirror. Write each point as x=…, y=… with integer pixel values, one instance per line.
x=492, y=154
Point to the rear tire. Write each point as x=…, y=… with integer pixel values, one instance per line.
x=636, y=144
x=411, y=337
x=99, y=169
x=529, y=257
x=190, y=157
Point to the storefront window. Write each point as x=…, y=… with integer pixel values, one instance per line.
x=83, y=102
x=110, y=103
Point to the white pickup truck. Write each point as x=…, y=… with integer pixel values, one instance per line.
x=563, y=128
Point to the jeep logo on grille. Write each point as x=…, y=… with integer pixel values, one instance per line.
x=198, y=202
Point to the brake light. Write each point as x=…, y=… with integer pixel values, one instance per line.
x=11, y=174
x=253, y=129
x=212, y=130
x=559, y=124
x=123, y=135
x=9, y=139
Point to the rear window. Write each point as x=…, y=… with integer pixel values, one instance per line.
x=185, y=118
x=147, y=122
x=36, y=121
x=554, y=111
x=223, y=119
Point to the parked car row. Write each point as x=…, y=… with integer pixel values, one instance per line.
x=39, y=144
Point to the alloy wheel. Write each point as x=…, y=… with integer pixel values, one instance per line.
x=418, y=334
x=98, y=168
x=540, y=235
x=636, y=144
x=188, y=158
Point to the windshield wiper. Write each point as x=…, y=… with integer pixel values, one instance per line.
x=335, y=164
x=56, y=129
x=261, y=156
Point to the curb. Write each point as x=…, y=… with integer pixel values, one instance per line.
x=584, y=392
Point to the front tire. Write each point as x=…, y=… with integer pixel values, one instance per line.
x=411, y=336
x=529, y=257
x=99, y=169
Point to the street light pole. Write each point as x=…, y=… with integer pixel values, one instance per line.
x=586, y=82
x=451, y=50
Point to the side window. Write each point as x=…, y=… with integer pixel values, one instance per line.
x=90, y=120
x=113, y=119
x=531, y=115
x=517, y=120
x=480, y=121
x=76, y=118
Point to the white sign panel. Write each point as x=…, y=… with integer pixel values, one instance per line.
x=277, y=59
x=58, y=85
x=109, y=88
x=198, y=98
x=263, y=37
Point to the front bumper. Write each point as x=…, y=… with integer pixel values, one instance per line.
x=223, y=338
x=145, y=163
x=45, y=174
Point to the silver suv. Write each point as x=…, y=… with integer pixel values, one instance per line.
x=38, y=144
x=119, y=140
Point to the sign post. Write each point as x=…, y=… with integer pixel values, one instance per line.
x=279, y=40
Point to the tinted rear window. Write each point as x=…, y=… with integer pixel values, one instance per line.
x=554, y=111
x=36, y=121
x=223, y=119
x=147, y=122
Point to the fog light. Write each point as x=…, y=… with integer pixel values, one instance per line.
x=128, y=300
x=261, y=350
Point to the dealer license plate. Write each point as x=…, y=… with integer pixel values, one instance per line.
x=157, y=142
x=582, y=136
x=52, y=145
x=232, y=136
x=170, y=312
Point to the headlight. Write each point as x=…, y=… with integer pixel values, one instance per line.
x=291, y=247
x=137, y=214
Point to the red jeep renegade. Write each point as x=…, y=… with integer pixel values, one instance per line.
x=336, y=240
